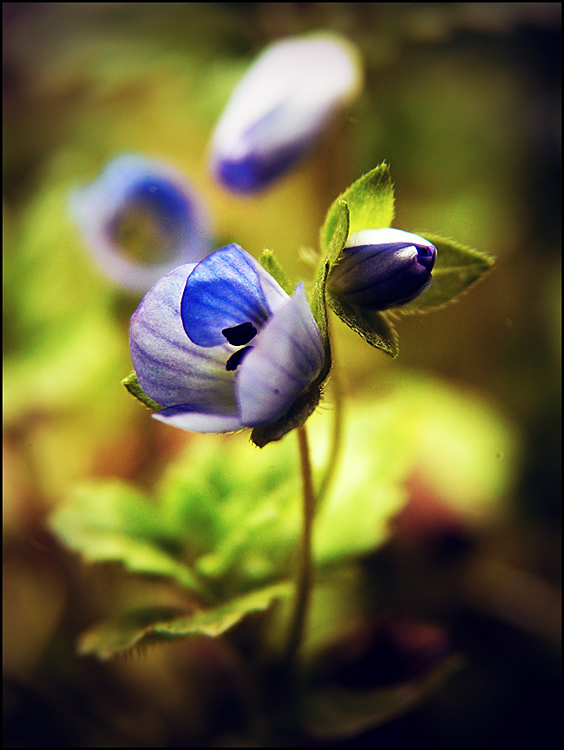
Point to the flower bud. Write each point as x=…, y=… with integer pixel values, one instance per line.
x=383, y=268
x=280, y=107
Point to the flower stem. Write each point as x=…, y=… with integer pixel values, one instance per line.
x=336, y=436
x=305, y=570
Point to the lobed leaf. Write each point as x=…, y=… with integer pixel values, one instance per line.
x=156, y=624
x=112, y=522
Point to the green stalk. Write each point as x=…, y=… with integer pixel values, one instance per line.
x=305, y=562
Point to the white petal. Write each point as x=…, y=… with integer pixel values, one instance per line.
x=195, y=422
x=287, y=355
x=384, y=236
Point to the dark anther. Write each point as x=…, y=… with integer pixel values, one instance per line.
x=241, y=334
x=235, y=359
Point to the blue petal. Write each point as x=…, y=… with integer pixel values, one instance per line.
x=287, y=355
x=170, y=368
x=134, y=192
x=225, y=290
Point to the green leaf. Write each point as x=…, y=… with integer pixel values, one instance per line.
x=270, y=264
x=371, y=204
x=457, y=267
x=132, y=385
x=151, y=625
x=372, y=325
x=110, y=521
x=335, y=712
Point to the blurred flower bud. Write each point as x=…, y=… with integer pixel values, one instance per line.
x=140, y=219
x=280, y=107
x=382, y=268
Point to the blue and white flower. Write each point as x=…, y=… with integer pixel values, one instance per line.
x=221, y=346
x=140, y=205
x=383, y=268
x=280, y=108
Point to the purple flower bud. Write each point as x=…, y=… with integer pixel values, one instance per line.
x=141, y=205
x=280, y=107
x=383, y=268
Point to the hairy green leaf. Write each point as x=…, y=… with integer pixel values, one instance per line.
x=374, y=326
x=371, y=204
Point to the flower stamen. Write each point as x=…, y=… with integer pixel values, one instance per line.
x=235, y=359
x=241, y=334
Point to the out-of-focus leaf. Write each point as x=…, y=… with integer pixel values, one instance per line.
x=334, y=712
x=110, y=521
x=146, y=626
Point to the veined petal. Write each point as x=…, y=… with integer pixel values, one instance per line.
x=287, y=355
x=170, y=368
x=281, y=105
x=145, y=203
x=186, y=419
x=224, y=290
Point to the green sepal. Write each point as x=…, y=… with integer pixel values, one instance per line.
x=456, y=269
x=270, y=264
x=372, y=325
x=132, y=385
x=141, y=627
x=371, y=205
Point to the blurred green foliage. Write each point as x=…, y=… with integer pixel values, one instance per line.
x=462, y=100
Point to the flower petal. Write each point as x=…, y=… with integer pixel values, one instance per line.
x=148, y=200
x=185, y=419
x=283, y=103
x=170, y=368
x=287, y=355
x=225, y=290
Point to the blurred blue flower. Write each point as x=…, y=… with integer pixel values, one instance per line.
x=221, y=346
x=142, y=208
x=280, y=107
x=383, y=268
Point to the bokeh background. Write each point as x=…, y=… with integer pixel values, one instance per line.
x=463, y=101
